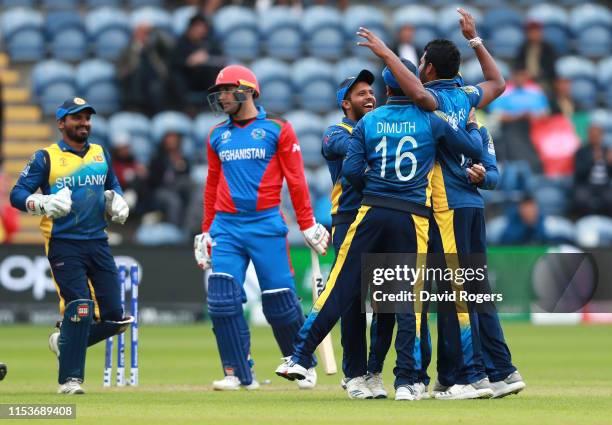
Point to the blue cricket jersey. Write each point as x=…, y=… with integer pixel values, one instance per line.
x=88, y=173
x=392, y=149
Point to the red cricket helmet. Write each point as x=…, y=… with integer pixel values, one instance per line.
x=236, y=75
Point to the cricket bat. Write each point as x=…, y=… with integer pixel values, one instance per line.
x=326, y=348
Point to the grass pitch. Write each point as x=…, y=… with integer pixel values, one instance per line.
x=567, y=370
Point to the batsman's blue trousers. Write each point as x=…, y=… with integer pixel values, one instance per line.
x=375, y=230
x=85, y=269
x=259, y=236
x=471, y=345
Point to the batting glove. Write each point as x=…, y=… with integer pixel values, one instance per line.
x=317, y=237
x=116, y=207
x=202, y=247
x=52, y=206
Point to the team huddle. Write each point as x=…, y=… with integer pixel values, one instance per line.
x=405, y=179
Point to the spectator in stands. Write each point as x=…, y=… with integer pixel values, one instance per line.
x=524, y=224
x=195, y=63
x=170, y=180
x=132, y=175
x=537, y=56
x=522, y=101
x=593, y=175
x=562, y=102
x=143, y=71
x=405, y=47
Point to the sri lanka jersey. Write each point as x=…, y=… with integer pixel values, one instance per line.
x=246, y=166
x=88, y=173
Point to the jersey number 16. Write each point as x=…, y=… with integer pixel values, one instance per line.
x=399, y=157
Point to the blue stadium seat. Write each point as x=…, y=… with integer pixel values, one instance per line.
x=176, y=122
x=236, y=27
x=66, y=33
x=154, y=16
x=333, y=117
x=604, y=73
x=274, y=78
x=100, y=3
x=448, y=25
x=181, y=17
x=594, y=42
x=583, y=74
x=96, y=80
x=59, y=4
x=498, y=18
x=140, y=3
x=364, y=16
x=313, y=79
x=505, y=41
x=99, y=130
x=279, y=31
x=22, y=34
x=52, y=83
x=309, y=129
x=323, y=32
x=589, y=15
x=16, y=3
x=109, y=30
x=138, y=127
x=422, y=18
x=472, y=73
x=555, y=21
x=202, y=125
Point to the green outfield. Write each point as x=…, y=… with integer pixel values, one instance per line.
x=567, y=370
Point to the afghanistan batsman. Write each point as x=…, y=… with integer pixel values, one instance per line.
x=249, y=155
x=79, y=189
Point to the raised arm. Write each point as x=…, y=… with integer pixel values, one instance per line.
x=410, y=84
x=467, y=142
x=494, y=84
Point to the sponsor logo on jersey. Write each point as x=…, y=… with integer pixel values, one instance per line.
x=296, y=148
x=258, y=133
x=245, y=153
x=225, y=136
x=98, y=158
x=63, y=162
x=80, y=181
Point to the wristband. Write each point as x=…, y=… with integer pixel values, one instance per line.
x=475, y=42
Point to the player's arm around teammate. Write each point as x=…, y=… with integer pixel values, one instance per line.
x=78, y=191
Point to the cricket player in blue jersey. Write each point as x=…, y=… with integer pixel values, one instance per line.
x=390, y=160
x=78, y=192
x=470, y=347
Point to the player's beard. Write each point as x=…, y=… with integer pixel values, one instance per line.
x=79, y=135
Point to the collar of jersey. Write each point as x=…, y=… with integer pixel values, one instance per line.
x=399, y=100
x=261, y=114
x=66, y=147
x=348, y=121
x=444, y=83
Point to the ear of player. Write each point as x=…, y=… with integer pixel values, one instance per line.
x=317, y=237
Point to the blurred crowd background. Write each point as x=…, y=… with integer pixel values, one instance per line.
x=146, y=64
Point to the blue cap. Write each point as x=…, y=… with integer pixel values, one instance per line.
x=345, y=86
x=389, y=78
x=72, y=106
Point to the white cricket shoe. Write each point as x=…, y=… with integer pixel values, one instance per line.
x=478, y=389
x=290, y=370
x=357, y=389
x=71, y=386
x=232, y=383
x=513, y=384
x=438, y=388
x=374, y=382
x=406, y=392
x=422, y=390
x=53, y=343
x=310, y=381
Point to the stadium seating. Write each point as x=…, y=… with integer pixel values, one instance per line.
x=591, y=25
x=109, y=30
x=52, y=83
x=99, y=131
x=100, y=3
x=280, y=33
x=16, y=3
x=236, y=27
x=364, y=16
x=138, y=127
x=448, y=26
x=22, y=33
x=180, y=19
x=59, y=4
x=274, y=78
x=555, y=21
x=333, y=117
x=309, y=129
x=583, y=74
x=589, y=15
x=96, y=81
x=322, y=32
x=313, y=80
x=423, y=19
x=472, y=73
x=154, y=16
x=176, y=122
x=66, y=33
x=139, y=3
x=202, y=125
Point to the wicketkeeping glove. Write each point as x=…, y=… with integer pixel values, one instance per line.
x=317, y=237
x=53, y=206
x=116, y=207
x=202, y=246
